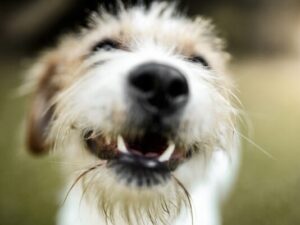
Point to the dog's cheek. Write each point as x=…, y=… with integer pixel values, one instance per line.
x=200, y=112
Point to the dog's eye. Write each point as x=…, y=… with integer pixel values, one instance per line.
x=106, y=45
x=200, y=60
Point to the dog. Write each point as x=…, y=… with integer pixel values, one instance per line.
x=139, y=107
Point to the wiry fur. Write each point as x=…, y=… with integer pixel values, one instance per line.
x=87, y=92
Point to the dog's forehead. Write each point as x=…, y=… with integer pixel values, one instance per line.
x=167, y=29
x=135, y=28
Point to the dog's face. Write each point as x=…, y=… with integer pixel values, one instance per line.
x=135, y=99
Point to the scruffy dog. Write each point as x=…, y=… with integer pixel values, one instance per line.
x=138, y=106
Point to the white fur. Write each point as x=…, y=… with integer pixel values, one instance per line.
x=207, y=196
x=96, y=100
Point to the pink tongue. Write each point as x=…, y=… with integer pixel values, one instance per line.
x=152, y=155
x=148, y=154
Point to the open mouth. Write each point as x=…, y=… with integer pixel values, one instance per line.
x=144, y=161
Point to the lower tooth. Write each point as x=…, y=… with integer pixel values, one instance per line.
x=121, y=145
x=167, y=153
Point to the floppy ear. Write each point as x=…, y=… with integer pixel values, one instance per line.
x=41, y=111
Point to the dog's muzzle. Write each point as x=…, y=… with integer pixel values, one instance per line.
x=159, y=94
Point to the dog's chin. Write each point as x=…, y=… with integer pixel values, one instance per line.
x=143, y=162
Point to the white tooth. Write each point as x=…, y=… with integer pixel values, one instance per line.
x=167, y=153
x=121, y=145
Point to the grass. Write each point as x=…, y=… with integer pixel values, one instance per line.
x=266, y=193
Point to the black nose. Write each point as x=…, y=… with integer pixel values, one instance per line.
x=158, y=88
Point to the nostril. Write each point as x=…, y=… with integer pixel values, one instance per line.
x=145, y=83
x=178, y=88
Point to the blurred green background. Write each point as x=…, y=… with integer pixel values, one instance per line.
x=264, y=37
